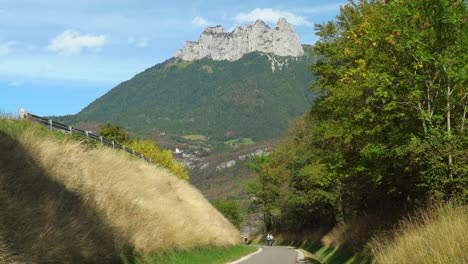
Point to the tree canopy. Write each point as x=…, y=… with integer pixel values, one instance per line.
x=390, y=126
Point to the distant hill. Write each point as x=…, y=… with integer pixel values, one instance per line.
x=254, y=97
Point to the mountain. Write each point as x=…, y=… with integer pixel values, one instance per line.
x=253, y=97
x=228, y=91
x=209, y=95
x=220, y=45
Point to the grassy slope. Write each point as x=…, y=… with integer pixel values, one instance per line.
x=200, y=256
x=63, y=203
x=438, y=236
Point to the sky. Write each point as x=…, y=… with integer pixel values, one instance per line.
x=58, y=56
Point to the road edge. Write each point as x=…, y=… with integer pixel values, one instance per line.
x=246, y=257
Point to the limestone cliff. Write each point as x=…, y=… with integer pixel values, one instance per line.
x=220, y=45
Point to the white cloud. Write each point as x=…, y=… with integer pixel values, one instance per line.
x=142, y=43
x=201, y=22
x=72, y=42
x=6, y=48
x=16, y=83
x=270, y=15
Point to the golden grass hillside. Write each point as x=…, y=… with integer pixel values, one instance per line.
x=439, y=235
x=60, y=202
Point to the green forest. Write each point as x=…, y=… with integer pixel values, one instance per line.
x=219, y=100
x=388, y=133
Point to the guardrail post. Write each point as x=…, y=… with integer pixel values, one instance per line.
x=50, y=124
x=22, y=113
x=113, y=144
x=141, y=155
x=70, y=128
x=123, y=148
x=86, y=132
x=133, y=152
x=100, y=138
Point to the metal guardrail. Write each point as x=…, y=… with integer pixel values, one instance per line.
x=69, y=129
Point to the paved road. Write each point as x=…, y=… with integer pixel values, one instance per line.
x=273, y=255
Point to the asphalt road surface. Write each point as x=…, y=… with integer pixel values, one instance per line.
x=273, y=255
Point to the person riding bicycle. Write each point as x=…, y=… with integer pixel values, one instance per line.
x=270, y=239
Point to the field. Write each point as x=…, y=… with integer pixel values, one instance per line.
x=240, y=142
x=195, y=137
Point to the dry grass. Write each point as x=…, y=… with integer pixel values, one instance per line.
x=6, y=255
x=57, y=196
x=438, y=236
x=150, y=207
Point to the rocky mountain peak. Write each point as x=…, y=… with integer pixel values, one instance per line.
x=214, y=30
x=220, y=45
x=260, y=23
x=282, y=24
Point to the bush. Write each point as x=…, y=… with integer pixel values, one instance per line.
x=231, y=210
x=162, y=157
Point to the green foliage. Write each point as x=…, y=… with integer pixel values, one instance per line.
x=231, y=210
x=114, y=133
x=395, y=74
x=389, y=128
x=253, y=187
x=148, y=148
x=239, y=99
x=162, y=157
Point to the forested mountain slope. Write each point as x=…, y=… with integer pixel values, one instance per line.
x=253, y=97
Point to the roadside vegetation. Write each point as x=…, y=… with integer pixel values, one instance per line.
x=388, y=136
x=163, y=157
x=231, y=210
x=216, y=255
x=62, y=201
x=437, y=235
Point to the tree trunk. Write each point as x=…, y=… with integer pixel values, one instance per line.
x=449, y=131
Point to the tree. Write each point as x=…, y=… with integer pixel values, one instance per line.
x=231, y=210
x=394, y=74
x=146, y=147
x=162, y=157
x=114, y=133
x=389, y=129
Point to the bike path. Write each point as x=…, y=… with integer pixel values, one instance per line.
x=273, y=255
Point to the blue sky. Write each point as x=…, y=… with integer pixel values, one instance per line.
x=57, y=56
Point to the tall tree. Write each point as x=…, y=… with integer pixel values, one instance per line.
x=114, y=133
x=390, y=127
